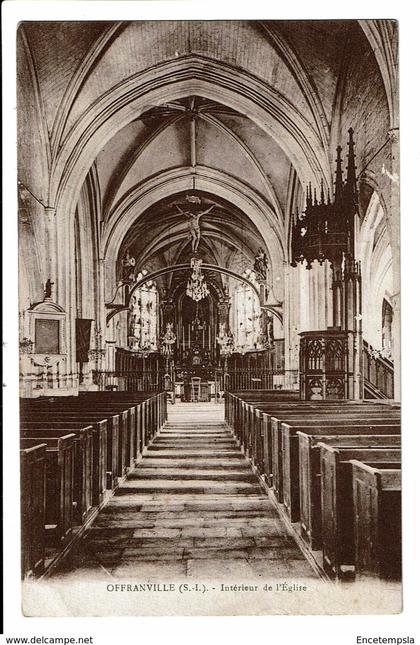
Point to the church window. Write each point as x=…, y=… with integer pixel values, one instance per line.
x=143, y=318
x=247, y=312
x=387, y=316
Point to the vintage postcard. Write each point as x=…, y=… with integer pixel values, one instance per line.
x=209, y=317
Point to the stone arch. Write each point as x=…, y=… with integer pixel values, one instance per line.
x=174, y=80
x=209, y=180
x=380, y=37
x=173, y=269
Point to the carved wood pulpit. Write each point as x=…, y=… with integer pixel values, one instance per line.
x=324, y=365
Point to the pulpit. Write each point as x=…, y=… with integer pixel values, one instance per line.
x=324, y=369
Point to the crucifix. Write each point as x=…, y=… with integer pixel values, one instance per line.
x=194, y=225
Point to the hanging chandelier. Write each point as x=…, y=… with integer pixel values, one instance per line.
x=196, y=287
x=325, y=231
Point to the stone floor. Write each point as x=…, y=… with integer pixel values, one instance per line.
x=192, y=508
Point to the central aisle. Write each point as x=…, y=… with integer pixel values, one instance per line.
x=192, y=508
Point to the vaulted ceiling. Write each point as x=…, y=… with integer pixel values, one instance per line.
x=270, y=125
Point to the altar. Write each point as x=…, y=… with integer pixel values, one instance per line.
x=197, y=391
x=194, y=384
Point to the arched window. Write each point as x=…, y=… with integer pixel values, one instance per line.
x=387, y=316
x=246, y=313
x=143, y=318
x=377, y=278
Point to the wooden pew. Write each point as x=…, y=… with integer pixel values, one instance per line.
x=310, y=474
x=150, y=411
x=255, y=430
x=239, y=403
x=234, y=398
x=262, y=444
x=130, y=434
x=258, y=429
x=154, y=406
x=251, y=431
x=81, y=410
x=146, y=414
x=237, y=399
x=149, y=414
x=99, y=445
x=260, y=395
x=277, y=458
x=97, y=421
x=116, y=429
x=274, y=469
x=338, y=547
x=155, y=410
x=256, y=435
x=59, y=455
x=254, y=417
x=377, y=521
x=83, y=461
x=290, y=447
x=33, y=477
x=271, y=452
x=76, y=465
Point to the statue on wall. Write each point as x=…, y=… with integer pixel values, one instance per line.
x=48, y=289
x=169, y=337
x=194, y=225
x=224, y=339
x=261, y=265
x=266, y=334
x=168, y=340
x=128, y=271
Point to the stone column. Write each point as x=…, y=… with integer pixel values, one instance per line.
x=394, y=224
x=51, y=247
x=101, y=311
x=337, y=287
x=110, y=355
x=317, y=303
x=291, y=320
x=223, y=306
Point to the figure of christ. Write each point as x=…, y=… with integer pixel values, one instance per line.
x=194, y=225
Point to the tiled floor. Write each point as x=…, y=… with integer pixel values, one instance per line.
x=192, y=508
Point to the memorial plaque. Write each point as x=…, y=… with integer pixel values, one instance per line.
x=47, y=336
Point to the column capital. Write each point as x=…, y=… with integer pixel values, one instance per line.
x=395, y=300
x=50, y=213
x=394, y=135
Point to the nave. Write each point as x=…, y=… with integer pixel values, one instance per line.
x=208, y=221
x=192, y=508
x=265, y=491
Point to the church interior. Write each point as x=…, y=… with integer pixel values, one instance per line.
x=209, y=299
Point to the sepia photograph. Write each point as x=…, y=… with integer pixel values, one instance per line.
x=209, y=317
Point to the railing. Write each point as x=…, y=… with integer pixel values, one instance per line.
x=230, y=380
x=130, y=381
x=378, y=373
x=250, y=379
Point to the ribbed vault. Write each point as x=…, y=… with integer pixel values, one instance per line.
x=121, y=122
